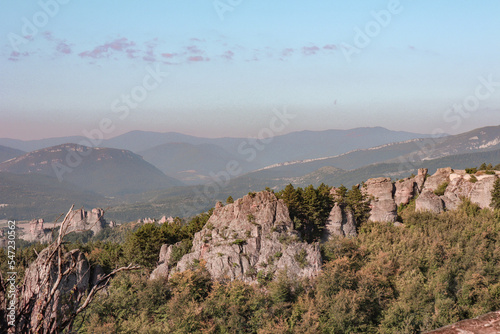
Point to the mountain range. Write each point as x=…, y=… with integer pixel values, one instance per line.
x=169, y=173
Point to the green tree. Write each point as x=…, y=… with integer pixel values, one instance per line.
x=495, y=195
x=229, y=200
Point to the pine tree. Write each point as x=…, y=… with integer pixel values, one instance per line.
x=495, y=195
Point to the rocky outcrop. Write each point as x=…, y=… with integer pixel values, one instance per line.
x=381, y=192
x=43, y=273
x=254, y=234
x=488, y=323
x=481, y=192
x=406, y=189
x=37, y=232
x=164, y=220
x=82, y=220
x=428, y=201
x=441, y=176
x=164, y=264
x=340, y=222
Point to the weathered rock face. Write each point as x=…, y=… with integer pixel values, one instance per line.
x=255, y=233
x=406, y=189
x=383, y=207
x=164, y=262
x=488, y=323
x=37, y=232
x=341, y=222
x=82, y=220
x=481, y=192
x=42, y=274
x=428, y=201
x=441, y=176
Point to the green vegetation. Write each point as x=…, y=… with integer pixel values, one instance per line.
x=495, y=195
x=436, y=270
x=441, y=189
x=229, y=200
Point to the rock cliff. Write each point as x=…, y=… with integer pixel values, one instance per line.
x=82, y=220
x=250, y=236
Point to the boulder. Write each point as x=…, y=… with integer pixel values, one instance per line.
x=164, y=261
x=253, y=234
x=340, y=222
x=381, y=191
x=441, y=176
x=43, y=273
x=428, y=201
x=420, y=178
x=481, y=192
x=405, y=191
x=488, y=323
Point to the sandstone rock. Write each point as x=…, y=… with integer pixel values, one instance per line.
x=40, y=275
x=255, y=233
x=82, y=220
x=341, y=222
x=381, y=191
x=481, y=192
x=405, y=191
x=441, y=176
x=37, y=232
x=164, y=220
x=428, y=201
x=420, y=178
x=488, y=323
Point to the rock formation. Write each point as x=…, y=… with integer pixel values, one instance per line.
x=488, y=323
x=82, y=220
x=42, y=274
x=254, y=234
x=164, y=220
x=428, y=201
x=37, y=232
x=341, y=222
x=383, y=207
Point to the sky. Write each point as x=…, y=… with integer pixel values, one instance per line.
x=227, y=67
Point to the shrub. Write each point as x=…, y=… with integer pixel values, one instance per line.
x=441, y=189
x=301, y=258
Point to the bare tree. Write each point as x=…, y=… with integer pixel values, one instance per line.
x=57, y=287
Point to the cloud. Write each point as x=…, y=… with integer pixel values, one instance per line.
x=287, y=52
x=16, y=56
x=197, y=59
x=150, y=50
x=169, y=55
x=193, y=49
x=105, y=50
x=330, y=47
x=310, y=50
x=194, y=39
x=63, y=47
x=228, y=55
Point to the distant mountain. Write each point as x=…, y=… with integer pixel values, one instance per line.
x=105, y=171
x=250, y=153
x=7, y=153
x=32, y=196
x=423, y=149
x=189, y=163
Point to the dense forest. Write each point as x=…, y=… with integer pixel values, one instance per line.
x=433, y=270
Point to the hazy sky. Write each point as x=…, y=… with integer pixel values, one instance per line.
x=67, y=65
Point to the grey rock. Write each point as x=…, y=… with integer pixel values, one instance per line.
x=42, y=274
x=481, y=192
x=405, y=191
x=37, y=232
x=340, y=222
x=383, y=207
x=420, y=178
x=81, y=220
x=255, y=233
x=428, y=201
x=442, y=175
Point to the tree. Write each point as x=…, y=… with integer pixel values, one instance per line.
x=229, y=200
x=495, y=195
x=53, y=292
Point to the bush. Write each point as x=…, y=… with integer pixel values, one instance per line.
x=441, y=189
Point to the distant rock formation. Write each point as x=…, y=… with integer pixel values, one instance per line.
x=340, y=222
x=164, y=220
x=37, y=232
x=254, y=234
x=381, y=190
x=82, y=220
x=146, y=220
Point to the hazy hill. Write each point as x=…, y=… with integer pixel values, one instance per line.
x=189, y=163
x=32, y=196
x=7, y=153
x=103, y=170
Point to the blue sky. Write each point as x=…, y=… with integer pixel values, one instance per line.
x=65, y=64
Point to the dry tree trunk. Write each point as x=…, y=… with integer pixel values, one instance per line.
x=57, y=287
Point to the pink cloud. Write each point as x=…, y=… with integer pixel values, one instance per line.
x=63, y=47
x=48, y=35
x=169, y=55
x=330, y=47
x=131, y=53
x=197, y=58
x=287, y=52
x=228, y=55
x=105, y=50
x=310, y=50
x=193, y=49
x=16, y=56
x=411, y=47
x=194, y=39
